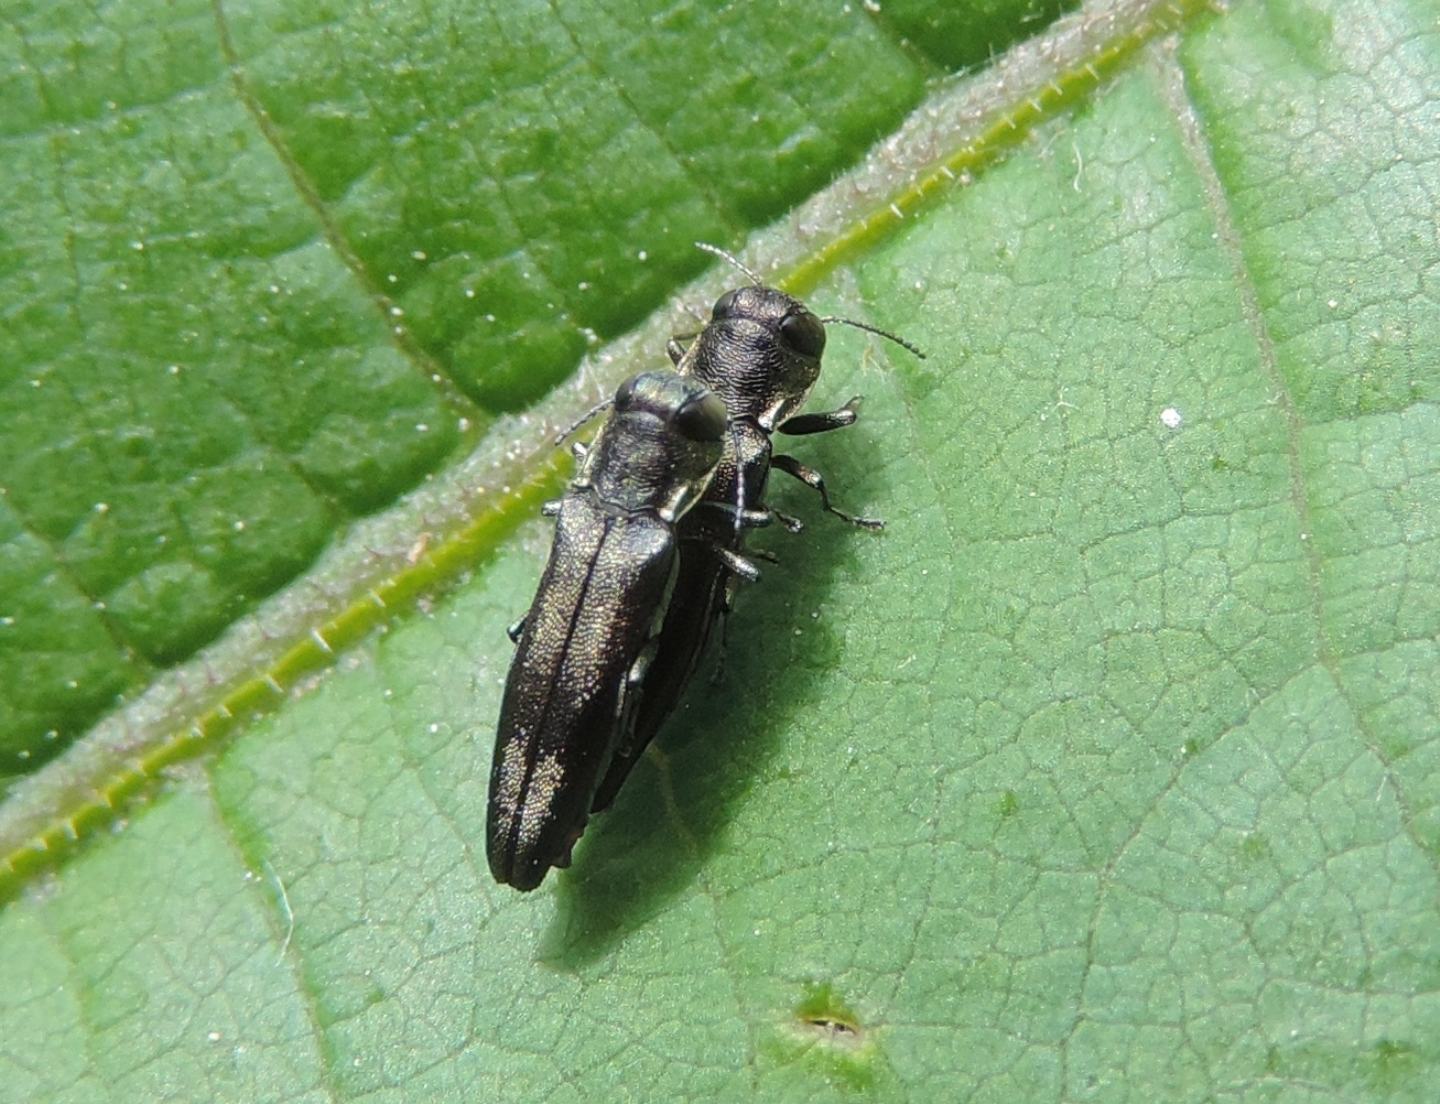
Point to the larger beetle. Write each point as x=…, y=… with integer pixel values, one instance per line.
x=591, y=633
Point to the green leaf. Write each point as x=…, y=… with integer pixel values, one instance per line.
x=1109, y=770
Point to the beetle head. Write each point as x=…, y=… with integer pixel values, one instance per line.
x=659, y=446
x=760, y=353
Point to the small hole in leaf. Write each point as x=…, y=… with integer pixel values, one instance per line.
x=825, y=1038
x=827, y=1019
x=838, y=1030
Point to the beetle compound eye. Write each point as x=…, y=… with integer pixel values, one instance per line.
x=725, y=306
x=625, y=393
x=703, y=418
x=803, y=333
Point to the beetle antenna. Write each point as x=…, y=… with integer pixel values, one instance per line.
x=580, y=421
x=739, y=505
x=733, y=260
x=878, y=333
x=718, y=252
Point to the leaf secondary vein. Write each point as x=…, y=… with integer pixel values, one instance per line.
x=1191, y=127
x=697, y=180
x=432, y=370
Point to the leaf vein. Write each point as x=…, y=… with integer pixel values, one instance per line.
x=1190, y=124
x=409, y=347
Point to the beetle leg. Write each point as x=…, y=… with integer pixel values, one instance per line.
x=722, y=636
x=812, y=478
x=750, y=519
x=717, y=672
x=551, y=508
x=803, y=424
x=625, y=703
x=678, y=346
x=514, y=631
x=755, y=519
x=579, y=450
x=737, y=564
x=722, y=616
x=568, y=854
x=636, y=675
x=791, y=524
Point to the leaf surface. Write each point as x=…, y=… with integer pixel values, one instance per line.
x=1108, y=771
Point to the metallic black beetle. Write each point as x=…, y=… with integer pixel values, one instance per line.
x=591, y=632
x=760, y=352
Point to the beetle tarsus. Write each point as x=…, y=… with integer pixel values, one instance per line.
x=791, y=523
x=814, y=480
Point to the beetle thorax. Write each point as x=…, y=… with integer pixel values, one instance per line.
x=637, y=463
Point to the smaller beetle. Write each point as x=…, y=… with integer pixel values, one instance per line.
x=584, y=647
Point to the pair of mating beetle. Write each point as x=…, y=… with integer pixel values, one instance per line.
x=648, y=547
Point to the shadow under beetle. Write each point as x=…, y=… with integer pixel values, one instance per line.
x=760, y=353
x=592, y=631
